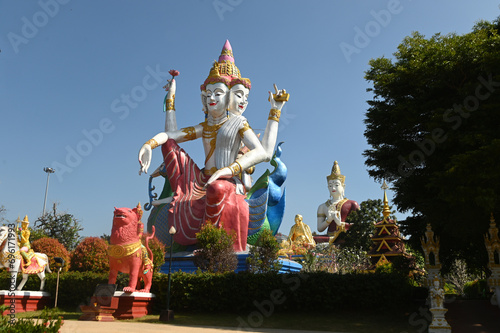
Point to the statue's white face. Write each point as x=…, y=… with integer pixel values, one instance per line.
x=336, y=189
x=239, y=99
x=217, y=98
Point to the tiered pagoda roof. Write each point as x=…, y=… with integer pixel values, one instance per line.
x=387, y=240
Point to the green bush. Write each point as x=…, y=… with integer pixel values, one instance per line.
x=314, y=292
x=449, y=289
x=318, y=292
x=46, y=322
x=52, y=248
x=263, y=256
x=476, y=289
x=216, y=253
x=90, y=255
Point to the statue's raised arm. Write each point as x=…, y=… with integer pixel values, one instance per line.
x=171, y=132
x=278, y=100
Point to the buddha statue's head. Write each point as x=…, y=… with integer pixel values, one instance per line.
x=336, y=182
x=298, y=219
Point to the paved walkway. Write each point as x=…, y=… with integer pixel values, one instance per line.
x=464, y=316
x=473, y=316
x=75, y=326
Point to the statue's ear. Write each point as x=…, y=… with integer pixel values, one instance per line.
x=138, y=211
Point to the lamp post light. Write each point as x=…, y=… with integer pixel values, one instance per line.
x=48, y=171
x=59, y=265
x=168, y=315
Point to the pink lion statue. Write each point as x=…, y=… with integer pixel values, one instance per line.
x=126, y=252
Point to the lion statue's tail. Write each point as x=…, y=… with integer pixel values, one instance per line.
x=150, y=253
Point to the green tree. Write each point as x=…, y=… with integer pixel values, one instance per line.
x=363, y=220
x=36, y=233
x=216, y=253
x=263, y=256
x=433, y=130
x=62, y=226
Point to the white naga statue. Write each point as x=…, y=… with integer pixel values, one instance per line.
x=215, y=193
x=333, y=213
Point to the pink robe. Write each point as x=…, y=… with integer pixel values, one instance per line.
x=193, y=205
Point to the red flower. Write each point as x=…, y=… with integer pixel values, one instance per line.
x=173, y=72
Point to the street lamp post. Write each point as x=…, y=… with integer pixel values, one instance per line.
x=48, y=171
x=168, y=315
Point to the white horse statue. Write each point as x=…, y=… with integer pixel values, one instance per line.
x=9, y=247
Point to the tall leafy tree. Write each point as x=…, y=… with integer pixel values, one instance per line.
x=433, y=127
x=363, y=220
x=62, y=226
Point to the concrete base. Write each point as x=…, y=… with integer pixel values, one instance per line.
x=24, y=301
x=98, y=312
x=133, y=305
x=495, y=298
x=167, y=315
x=439, y=323
x=184, y=262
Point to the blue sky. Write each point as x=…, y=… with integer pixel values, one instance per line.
x=81, y=90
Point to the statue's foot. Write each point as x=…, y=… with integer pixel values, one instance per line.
x=128, y=290
x=143, y=291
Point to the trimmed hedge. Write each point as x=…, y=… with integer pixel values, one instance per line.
x=243, y=292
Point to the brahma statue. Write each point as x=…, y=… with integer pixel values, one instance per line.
x=216, y=193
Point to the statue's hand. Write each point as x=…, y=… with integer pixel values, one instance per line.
x=170, y=87
x=279, y=98
x=337, y=218
x=221, y=173
x=145, y=158
x=333, y=216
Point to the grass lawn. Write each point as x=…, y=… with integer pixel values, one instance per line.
x=362, y=322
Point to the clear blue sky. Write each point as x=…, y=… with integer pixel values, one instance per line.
x=80, y=90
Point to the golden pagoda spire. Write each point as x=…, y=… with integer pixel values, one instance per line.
x=386, y=211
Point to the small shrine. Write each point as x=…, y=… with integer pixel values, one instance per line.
x=435, y=283
x=387, y=241
x=430, y=245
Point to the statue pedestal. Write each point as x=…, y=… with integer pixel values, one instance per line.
x=120, y=306
x=98, y=312
x=185, y=262
x=439, y=323
x=24, y=301
x=133, y=305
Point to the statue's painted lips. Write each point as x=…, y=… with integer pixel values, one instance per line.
x=120, y=216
